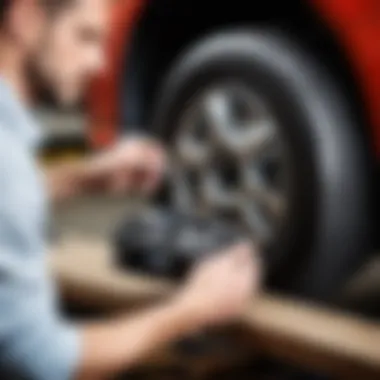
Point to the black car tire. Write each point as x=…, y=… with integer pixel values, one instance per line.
x=327, y=233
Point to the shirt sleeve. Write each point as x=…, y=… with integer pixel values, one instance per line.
x=35, y=342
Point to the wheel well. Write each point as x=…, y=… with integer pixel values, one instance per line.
x=167, y=27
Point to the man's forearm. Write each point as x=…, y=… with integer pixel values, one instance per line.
x=116, y=346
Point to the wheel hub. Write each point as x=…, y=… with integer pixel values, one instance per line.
x=229, y=159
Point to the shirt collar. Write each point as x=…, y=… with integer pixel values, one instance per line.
x=17, y=117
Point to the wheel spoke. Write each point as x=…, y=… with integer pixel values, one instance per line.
x=192, y=145
x=239, y=137
x=256, y=222
x=191, y=153
x=260, y=136
x=270, y=200
x=182, y=194
x=216, y=108
x=215, y=195
x=264, y=195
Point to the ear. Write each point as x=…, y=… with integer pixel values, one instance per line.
x=26, y=21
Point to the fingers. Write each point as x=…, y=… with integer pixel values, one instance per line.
x=234, y=256
x=246, y=255
x=238, y=255
x=140, y=176
x=136, y=164
x=119, y=182
x=147, y=171
x=156, y=165
x=240, y=264
x=242, y=254
x=222, y=286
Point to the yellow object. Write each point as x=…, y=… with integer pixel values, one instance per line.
x=59, y=156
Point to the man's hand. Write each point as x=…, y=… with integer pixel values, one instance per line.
x=135, y=164
x=218, y=291
x=221, y=287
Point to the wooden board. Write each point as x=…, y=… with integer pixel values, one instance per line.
x=305, y=335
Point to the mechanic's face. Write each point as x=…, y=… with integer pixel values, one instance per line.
x=72, y=52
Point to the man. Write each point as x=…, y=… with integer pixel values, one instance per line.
x=59, y=42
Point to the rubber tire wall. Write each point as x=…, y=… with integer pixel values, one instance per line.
x=327, y=234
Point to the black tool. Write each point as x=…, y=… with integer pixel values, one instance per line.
x=165, y=242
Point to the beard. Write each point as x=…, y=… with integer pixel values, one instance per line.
x=47, y=90
x=40, y=85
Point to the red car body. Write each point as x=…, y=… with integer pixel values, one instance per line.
x=355, y=24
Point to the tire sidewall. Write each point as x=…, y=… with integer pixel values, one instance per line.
x=319, y=136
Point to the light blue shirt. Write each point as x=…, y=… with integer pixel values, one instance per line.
x=35, y=342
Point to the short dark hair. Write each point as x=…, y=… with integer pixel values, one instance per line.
x=54, y=5
x=4, y=4
x=49, y=4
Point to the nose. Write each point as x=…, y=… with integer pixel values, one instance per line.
x=98, y=61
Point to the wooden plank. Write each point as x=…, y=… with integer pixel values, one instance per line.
x=316, y=338
x=302, y=334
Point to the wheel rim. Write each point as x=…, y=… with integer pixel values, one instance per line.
x=230, y=158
